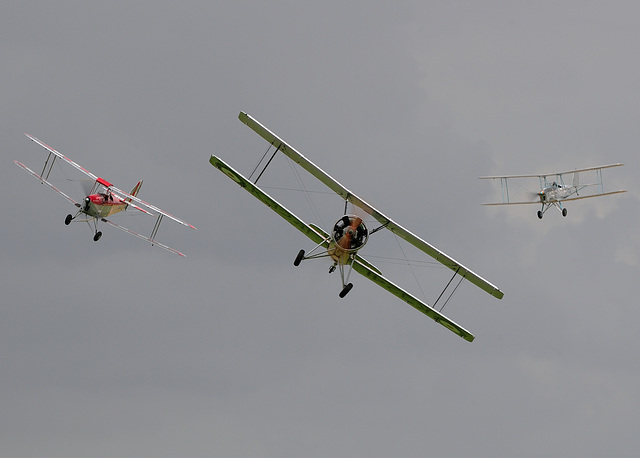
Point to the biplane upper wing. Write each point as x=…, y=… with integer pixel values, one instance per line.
x=360, y=265
x=125, y=195
x=343, y=192
x=544, y=175
x=63, y=157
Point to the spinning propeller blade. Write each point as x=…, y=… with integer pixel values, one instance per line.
x=345, y=240
x=86, y=186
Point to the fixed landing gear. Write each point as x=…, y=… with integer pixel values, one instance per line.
x=68, y=219
x=564, y=211
x=97, y=236
x=299, y=258
x=346, y=290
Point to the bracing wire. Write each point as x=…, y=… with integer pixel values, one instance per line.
x=415, y=277
x=307, y=193
x=260, y=162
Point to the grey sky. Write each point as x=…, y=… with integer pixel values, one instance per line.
x=119, y=349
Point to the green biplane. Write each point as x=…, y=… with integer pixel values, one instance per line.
x=349, y=234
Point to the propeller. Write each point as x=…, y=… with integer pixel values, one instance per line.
x=346, y=233
x=535, y=196
x=86, y=186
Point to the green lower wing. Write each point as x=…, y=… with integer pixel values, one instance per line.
x=266, y=199
x=416, y=303
x=360, y=265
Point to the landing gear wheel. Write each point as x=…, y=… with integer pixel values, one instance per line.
x=564, y=212
x=540, y=214
x=68, y=219
x=346, y=289
x=97, y=236
x=299, y=258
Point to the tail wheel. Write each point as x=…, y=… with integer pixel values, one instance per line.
x=68, y=219
x=299, y=258
x=346, y=290
x=97, y=236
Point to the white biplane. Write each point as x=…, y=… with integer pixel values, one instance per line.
x=553, y=190
x=349, y=234
x=102, y=200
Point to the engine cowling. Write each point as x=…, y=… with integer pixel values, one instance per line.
x=350, y=233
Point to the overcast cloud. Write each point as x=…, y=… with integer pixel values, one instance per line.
x=116, y=348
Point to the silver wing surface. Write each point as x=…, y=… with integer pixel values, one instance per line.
x=343, y=192
x=544, y=175
x=359, y=264
x=537, y=202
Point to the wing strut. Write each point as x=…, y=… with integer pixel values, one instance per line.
x=50, y=167
x=156, y=226
x=452, y=292
x=268, y=162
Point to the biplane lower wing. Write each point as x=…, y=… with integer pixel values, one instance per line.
x=42, y=180
x=319, y=236
x=537, y=202
x=593, y=195
x=413, y=301
x=140, y=236
x=343, y=192
x=267, y=200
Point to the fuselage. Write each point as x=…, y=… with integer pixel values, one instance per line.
x=101, y=205
x=556, y=192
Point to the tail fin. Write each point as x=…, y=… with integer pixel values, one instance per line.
x=134, y=192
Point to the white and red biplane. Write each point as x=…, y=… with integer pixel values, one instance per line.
x=349, y=234
x=553, y=190
x=103, y=200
